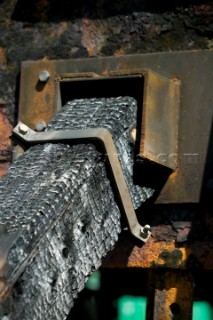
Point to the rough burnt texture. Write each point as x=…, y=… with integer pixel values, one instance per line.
x=116, y=115
x=61, y=201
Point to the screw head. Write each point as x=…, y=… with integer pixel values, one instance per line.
x=23, y=129
x=40, y=126
x=43, y=76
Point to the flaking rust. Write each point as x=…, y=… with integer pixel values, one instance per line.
x=5, y=143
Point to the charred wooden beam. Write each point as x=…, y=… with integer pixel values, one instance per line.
x=60, y=200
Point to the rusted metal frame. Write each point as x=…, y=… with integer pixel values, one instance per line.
x=30, y=137
x=157, y=138
x=160, y=108
x=170, y=295
x=68, y=76
x=185, y=184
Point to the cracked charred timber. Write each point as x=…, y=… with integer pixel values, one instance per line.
x=60, y=202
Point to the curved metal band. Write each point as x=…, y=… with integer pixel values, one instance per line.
x=28, y=136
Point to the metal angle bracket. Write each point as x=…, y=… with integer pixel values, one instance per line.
x=30, y=137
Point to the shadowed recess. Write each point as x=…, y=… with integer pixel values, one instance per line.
x=52, y=10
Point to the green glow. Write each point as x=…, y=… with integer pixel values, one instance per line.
x=94, y=281
x=202, y=310
x=131, y=308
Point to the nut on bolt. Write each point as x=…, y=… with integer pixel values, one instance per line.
x=23, y=129
x=145, y=231
x=43, y=76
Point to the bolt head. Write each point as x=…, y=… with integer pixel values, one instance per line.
x=40, y=126
x=43, y=76
x=23, y=129
x=147, y=227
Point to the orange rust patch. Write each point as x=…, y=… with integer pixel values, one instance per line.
x=36, y=103
x=92, y=36
x=155, y=254
x=173, y=296
x=3, y=58
x=5, y=142
x=4, y=167
x=119, y=52
x=5, y=130
x=105, y=72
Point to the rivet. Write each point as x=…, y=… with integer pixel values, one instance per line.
x=43, y=76
x=40, y=126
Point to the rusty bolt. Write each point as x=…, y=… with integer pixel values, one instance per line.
x=43, y=76
x=23, y=129
x=40, y=126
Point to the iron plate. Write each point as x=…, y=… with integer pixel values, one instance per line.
x=194, y=69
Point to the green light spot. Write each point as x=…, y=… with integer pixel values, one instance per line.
x=131, y=308
x=94, y=281
x=202, y=310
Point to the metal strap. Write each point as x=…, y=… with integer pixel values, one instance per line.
x=30, y=137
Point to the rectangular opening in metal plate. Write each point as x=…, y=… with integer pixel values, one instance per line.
x=167, y=81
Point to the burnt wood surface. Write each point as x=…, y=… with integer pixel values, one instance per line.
x=59, y=200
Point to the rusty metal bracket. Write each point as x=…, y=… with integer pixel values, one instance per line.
x=30, y=137
x=175, y=108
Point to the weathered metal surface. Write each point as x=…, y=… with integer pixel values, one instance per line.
x=171, y=295
x=30, y=137
x=186, y=184
x=160, y=116
x=5, y=142
x=181, y=239
x=39, y=95
x=160, y=254
x=160, y=108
